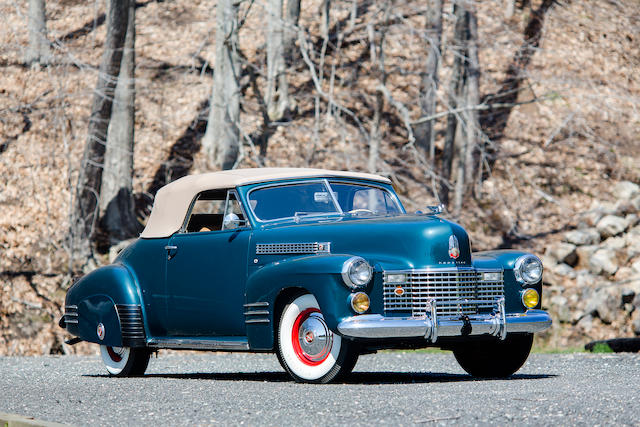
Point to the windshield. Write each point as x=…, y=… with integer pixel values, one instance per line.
x=292, y=201
x=313, y=198
x=364, y=199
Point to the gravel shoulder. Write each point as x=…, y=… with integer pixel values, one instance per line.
x=392, y=387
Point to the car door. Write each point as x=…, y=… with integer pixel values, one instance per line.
x=207, y=269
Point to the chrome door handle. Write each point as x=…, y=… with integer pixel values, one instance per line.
x=171, y=251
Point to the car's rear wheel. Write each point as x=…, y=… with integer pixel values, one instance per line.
x=494, y=359
x=307, y=349
x=125, y=361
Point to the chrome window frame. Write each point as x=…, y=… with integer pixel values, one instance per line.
x=185, y=221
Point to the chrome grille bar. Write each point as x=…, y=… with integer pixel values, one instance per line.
x=457, y=291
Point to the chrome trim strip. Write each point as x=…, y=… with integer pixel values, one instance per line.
x=71, y=321
x=377, y=326
x=257, y=313
x=227, y=343
x=293, y=248
x=257, y=321
x=257, y=304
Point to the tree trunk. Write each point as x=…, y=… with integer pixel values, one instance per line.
x=39, y=50
x=455, y=93
x=326, y=16
x=116, y=198
x=277, y=96
x=474, y=133
x=291, y=34
x=90, y=176
x=424, y=131
x=221, y=141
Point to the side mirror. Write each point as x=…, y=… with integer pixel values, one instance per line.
x=435, y=210
x=231, y=221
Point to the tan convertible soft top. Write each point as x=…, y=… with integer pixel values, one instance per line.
x=172, y=201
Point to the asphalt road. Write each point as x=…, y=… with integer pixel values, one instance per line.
x=388, y=388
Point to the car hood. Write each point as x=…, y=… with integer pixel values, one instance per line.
x=394, y=243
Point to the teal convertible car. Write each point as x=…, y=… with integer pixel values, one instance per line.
x=317, y=266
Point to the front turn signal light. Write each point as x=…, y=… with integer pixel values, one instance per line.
x=530, y=298
x=360, y=302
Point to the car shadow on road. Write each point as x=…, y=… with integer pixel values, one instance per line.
x=353, y=378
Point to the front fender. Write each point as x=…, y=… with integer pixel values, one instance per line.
x=319, y=275
x=506, y=260
x=95, y=297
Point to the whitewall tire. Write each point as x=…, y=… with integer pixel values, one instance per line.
x=308, y=350
x=125, y=361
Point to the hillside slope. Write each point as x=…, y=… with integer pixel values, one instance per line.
x=558, y=167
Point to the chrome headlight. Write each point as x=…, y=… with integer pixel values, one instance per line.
x=356, y=272
x=528, y=269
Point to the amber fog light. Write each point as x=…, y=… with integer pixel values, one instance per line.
x=530, y=298
x=360, y=302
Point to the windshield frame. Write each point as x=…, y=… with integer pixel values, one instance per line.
x=327, y=184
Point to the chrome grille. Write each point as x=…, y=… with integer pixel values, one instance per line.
x=456, y=291
x=292, y=248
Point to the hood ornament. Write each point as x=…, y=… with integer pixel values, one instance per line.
x=454, y=247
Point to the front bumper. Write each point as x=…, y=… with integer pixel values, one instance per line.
x=431, y=327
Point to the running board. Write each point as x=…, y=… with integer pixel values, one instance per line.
x=222, y=343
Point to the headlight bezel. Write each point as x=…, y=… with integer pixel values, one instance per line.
x=348, y=270
x=521, y=269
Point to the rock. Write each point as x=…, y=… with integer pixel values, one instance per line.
x=615, y=243
x=623, y=273
x=635, y=322
x=626, y=190
x=603, y=261
x=584, y=254
x=636, y=301
x=624, y=207
x=115, y=250
x=629, y=308
x=611, y=225
x=632, y=219
x=585, y=280
x=605, y=304
x=636, y=202
x=563, y=252
x=596, y=211
x=564, y=270
x=587, y=236
x=559, y=305
x=586, y=323
x=635, y=266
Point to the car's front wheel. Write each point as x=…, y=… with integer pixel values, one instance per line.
x=494, y=359
x=125, y=361
x=307, y=349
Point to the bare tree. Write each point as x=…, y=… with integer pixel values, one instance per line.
x=116, y=198
x=221, y=141
x=290, y=34
x=277, y=93
x=474, y=132
x=39, y=50
x=90, y=176
x=424, y=131
x=456, y=86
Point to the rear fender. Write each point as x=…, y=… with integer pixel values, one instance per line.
x=96, y=298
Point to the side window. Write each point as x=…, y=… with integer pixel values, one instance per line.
x=215, y=210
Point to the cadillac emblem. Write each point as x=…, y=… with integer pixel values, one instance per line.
x=100, y=331
x=454, y=247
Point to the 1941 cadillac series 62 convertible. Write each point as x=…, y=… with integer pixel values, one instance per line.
x=317, y=266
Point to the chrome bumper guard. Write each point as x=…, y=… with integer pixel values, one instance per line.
x=496, y=324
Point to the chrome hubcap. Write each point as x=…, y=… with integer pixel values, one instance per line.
x=315, y=338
